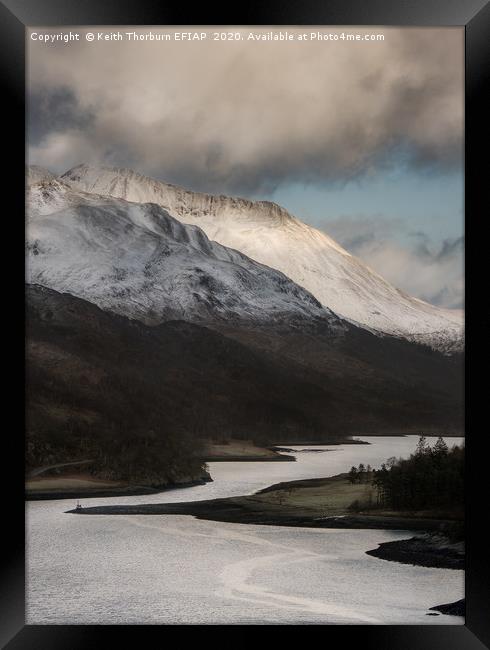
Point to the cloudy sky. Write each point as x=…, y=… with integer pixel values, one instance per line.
x=361, y=139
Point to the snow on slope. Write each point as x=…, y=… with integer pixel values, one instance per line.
x=36, y=174
x=269, y=234
x=137, y=260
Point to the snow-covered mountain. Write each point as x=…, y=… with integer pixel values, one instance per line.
x=317, y=372
x=268, y=234
x=137, y=260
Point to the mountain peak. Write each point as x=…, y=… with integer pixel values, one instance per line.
x=138, y=260
x=130, y=185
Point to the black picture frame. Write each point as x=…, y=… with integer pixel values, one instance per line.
x=474, y=15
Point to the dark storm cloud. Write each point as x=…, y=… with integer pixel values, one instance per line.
x=55, y=109
x=240, y=117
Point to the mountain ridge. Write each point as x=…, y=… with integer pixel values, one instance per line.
x=137, y=260
x=267, y=233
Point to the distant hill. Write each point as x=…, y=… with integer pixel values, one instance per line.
x=141, y=398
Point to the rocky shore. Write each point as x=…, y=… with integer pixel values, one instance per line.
x=429, y=550
x=452, y=609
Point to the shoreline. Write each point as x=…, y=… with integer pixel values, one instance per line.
x=247, y=451
x=241, y=450
x=434, y=551
x=116, y=491
x=249, y=459
x=237, y=451
x=312, y=503
x=326, y=443
x=457, y=608
x=242, y=510
x=233, y=451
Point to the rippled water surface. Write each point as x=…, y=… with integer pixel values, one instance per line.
x=176, y=569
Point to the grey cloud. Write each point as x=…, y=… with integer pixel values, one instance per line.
x=355, y=233
x=415, y=264
x=55, y=109
x=450, y=248
x=242, y=117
